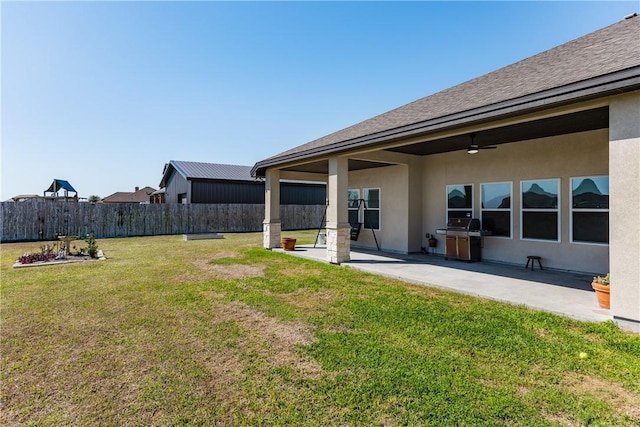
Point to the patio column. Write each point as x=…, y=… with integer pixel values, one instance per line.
x=624, y=207
x=271, y=227
x=338, y=228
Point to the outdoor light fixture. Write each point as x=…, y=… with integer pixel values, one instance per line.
x=474, y=148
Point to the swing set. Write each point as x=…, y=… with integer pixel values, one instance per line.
x=355, y=227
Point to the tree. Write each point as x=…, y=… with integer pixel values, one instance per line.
x=93, y=199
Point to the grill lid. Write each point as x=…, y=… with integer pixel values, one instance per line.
x=468, y=224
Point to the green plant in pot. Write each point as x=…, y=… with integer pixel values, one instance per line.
x=602, y=286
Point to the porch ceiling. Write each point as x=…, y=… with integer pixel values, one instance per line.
x=559, y=125
x=322, y=166
x=582, y=121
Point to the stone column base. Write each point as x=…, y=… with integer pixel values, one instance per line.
x=271, y=231
x=338, y=244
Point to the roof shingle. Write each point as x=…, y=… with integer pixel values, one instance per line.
x=612, y=49
x=139, y=196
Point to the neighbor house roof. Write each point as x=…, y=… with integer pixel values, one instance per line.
x=200, y=170
x=23, y=197
x=604, y=62
x=139, y=196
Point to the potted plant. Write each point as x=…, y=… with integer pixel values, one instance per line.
x=288, y=243
x=601, y=286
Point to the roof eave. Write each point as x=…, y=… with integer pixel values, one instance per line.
x=622, y=81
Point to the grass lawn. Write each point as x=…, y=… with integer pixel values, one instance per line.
x=223, y=332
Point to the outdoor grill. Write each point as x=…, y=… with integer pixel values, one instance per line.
x=463, y=239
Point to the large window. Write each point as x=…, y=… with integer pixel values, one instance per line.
x=540, y=209
x=353, y=206
x=372, y=208
x=497, y=208
x=590, y=209
x=459, y=201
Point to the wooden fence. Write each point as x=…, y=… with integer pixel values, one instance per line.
x=39, y=220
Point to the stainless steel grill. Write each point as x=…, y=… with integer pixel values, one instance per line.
x=463, y=239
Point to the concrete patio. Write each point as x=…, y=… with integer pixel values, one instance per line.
x=564, y=293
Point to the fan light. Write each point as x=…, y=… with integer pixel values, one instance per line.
x=473, y=147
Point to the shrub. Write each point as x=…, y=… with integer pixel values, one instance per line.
x=92, y=246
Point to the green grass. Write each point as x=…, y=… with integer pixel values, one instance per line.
x=222, y=332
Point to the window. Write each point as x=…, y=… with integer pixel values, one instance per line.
x=372, y=208
x=459, y=201
x=590, y=209
x=540, y=210
x=496, y=208
x=353, y=206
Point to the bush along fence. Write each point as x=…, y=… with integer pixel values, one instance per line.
x=39, y=220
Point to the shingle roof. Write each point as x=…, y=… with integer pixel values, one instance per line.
x=610, y=50
x=139, y=196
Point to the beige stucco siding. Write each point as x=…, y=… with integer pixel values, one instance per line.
x=625, y=206
x=393, y=182
x=574, y=155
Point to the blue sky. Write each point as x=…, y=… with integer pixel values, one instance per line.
x=103, y=94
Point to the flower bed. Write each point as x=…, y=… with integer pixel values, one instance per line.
x=56, y=254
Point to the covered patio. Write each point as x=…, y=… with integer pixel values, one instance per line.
x=560, y=292
x=543, y=154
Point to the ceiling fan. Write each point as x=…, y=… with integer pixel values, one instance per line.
x=474, y=148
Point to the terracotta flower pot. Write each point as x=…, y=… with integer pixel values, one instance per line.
x=288, y=244
x=602, y=292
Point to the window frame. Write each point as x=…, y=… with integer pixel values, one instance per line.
x=357, y=208
x=509, y=209
x=448, y=209
x=557, y=210
x=573, y=210
x=365, y=196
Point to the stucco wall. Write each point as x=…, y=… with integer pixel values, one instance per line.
x=574, y=155
x=625, y=206
x=393, y=182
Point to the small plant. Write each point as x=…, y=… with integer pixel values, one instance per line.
x=605, y=281
x=92, y=246
x=31, y=258
x=46, y=249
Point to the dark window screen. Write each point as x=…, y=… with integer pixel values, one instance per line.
x=498, y=222
x=353, y=217
x=372, y=219
x=540, y=225
x=591, y=227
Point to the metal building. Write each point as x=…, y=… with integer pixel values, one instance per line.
x=197, y=182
